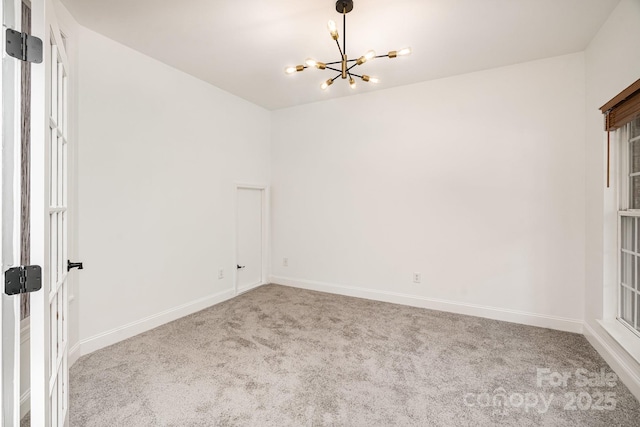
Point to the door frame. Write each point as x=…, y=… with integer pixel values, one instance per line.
x=10, y=153
x=264, y=192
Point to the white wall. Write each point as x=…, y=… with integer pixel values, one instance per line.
x=475, y=181
x=612, y=63
x=159, y=154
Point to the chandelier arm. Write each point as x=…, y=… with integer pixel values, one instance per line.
x=339, y=62
x=382, y=56
x=333, y=79
x=339, y=48
x=354, y=65
x=357, y=75
x=334, y=69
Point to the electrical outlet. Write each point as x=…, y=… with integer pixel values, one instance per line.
x=417, y=277
x=285, y=262
x=221, y=274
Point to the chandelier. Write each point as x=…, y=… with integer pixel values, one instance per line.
x=346, y=65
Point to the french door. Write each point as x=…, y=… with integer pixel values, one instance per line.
x=48, y=219
x=49, y=226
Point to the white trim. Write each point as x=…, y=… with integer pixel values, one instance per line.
x=40, y=100
x=625, y=337
x=615, y=357
x=10, y=325
x=507, y=315
x=74, y=354
x=121, y=333
x=251, y=186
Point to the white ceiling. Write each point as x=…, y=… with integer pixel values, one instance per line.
x=242, y=46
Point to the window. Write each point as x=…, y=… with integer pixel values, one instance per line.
x=629, y=227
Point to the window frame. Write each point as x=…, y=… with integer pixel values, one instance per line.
x=623, y=201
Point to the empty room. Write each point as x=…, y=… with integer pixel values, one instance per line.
x=320, y=213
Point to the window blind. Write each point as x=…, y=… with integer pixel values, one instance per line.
x=622, y=108
x=619, y=111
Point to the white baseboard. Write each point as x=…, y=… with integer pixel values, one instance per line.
x=616, y=357
x=113, y=336
x=74, y=354
x=514, y=316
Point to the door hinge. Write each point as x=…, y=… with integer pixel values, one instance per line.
x=24, y=46
x=22, y=280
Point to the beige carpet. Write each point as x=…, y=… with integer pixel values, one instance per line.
x=279, y=356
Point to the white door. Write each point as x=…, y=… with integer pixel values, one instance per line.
x=250, y=237
x=49, y=164
x=11, y=11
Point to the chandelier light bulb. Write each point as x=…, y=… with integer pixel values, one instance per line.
x=326, y=84
x=310, y=62
x=292, y=69
x=333, y=30
x=369, y=79
x=352, y=83
x=401, y=52
x=367, y=56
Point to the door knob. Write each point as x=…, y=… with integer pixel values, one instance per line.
x=241, y=266
x=71, y=265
